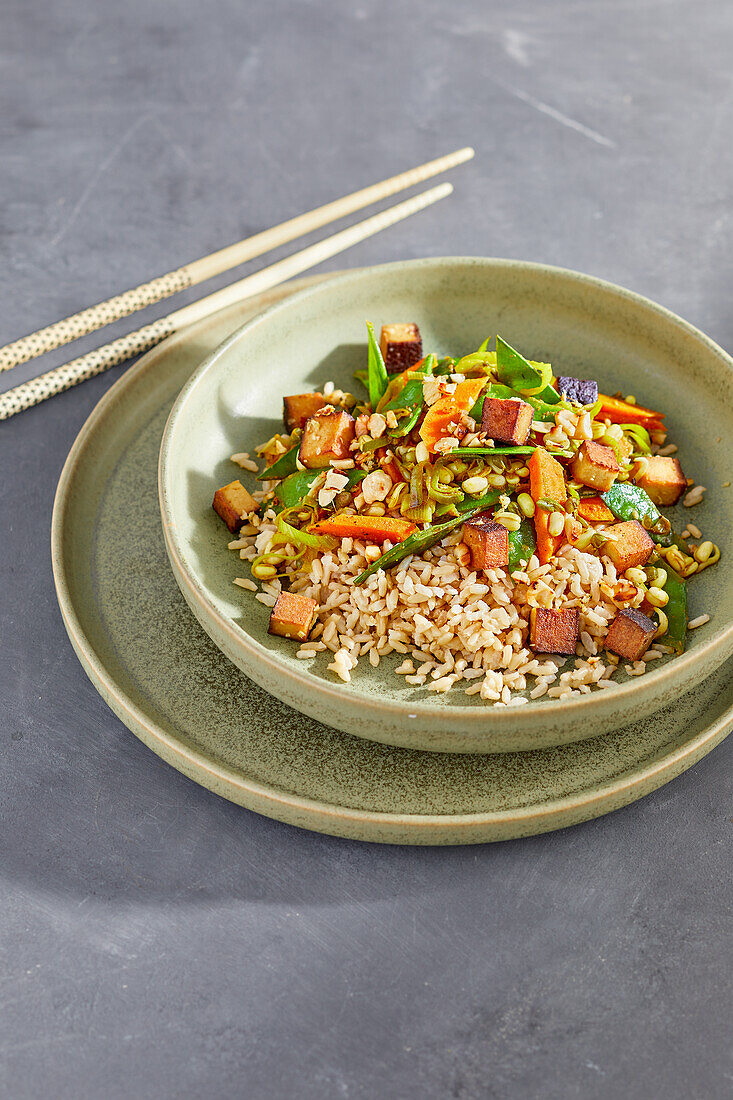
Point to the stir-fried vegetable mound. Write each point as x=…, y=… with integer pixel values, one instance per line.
x=523, y=461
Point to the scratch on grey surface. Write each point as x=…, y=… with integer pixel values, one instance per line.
x=171, y=141
x=96, y=176
x=558, y=116
x=515, y=46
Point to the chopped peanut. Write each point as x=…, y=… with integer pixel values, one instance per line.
x=376, y=486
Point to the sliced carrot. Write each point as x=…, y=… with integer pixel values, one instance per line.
x=594, y=510
x=621, y=412
x=547, y=544
x=546, y=477
x=447, y=409
x=546, y=482
x=371, y=528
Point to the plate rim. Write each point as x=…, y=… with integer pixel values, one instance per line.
x=479, y=827
x=503, y=719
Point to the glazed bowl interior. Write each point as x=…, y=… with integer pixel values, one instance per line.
x=585, y=328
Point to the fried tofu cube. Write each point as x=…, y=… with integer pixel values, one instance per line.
x=507, y=420
x=232, y=503
x=629, y=545
x=293, y=616
x=401, y=346
x=663, y=480
x=584, y=391
x=299, y=407
x=554, y=630
x=630, y=634
x=488, y=542
x=595, y=465
x=327, y=435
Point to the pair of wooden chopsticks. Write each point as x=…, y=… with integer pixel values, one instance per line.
x=89, y=320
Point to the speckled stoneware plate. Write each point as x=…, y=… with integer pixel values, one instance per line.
x=172, y=687
x=583, y=326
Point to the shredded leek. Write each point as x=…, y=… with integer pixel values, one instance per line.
x=303, y=538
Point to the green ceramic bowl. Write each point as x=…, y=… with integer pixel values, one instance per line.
x=580, y=324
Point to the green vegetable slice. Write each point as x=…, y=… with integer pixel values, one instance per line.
x=285, y=465
x=410, y=395
x=522, y=544
x=514, y=370
x=377, y=377
x=628, y=501
x=304, y=538
x=675, y=610
x=640, y=437
x=471, y=504
x=464, y=452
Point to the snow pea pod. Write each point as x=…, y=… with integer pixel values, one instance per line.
x=377, y=377
x=628, y=501
x=675, y=610
x=411, y=398
x=285, y=464
x=514, y=370
x=415, y=544
x=522, y=544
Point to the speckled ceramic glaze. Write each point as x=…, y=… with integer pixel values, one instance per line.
x=584, y=327
x=172, y=687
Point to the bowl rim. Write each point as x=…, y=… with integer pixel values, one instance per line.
x=240, y=640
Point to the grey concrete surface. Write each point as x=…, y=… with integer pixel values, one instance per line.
x=157, y=941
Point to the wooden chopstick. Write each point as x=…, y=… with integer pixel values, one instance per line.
x=101, y=359
x=198, y=271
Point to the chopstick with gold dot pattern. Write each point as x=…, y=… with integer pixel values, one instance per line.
x=101, y=359
x=198, y=271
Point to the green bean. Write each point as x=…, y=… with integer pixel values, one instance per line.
x=414, y=544
x=469, y=452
